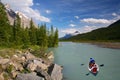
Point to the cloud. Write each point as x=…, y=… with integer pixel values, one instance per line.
x=24, y=6
x=72, y=25
x=114, y=14
x=48, y=11
x=83, y=29
x=77, y=17
x=117, y=16
x=96, y=21
x=69, y=30
x=87, y=28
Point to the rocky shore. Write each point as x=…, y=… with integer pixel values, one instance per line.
x=25, y=66
x=114, y=45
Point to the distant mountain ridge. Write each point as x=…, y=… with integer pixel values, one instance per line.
x=70, y=35
x=112, y=32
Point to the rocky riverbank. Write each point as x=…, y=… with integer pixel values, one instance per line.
x=114, y=45
x=25, y=66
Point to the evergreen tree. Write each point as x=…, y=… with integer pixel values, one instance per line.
x=4, y=27
x=56, y=38
x=26, y=38
x=32, y=33
x=50, y=38
x=17, y=31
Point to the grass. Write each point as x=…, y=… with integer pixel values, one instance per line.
x=6, y=52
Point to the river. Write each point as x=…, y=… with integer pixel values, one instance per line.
x=71, y=55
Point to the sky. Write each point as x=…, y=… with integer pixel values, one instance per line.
x=69, y=16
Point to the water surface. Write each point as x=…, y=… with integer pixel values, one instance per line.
x=71, y=55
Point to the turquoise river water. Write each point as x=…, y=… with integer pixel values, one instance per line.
x=71, y=55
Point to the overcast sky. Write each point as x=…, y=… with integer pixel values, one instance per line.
x=69, y=15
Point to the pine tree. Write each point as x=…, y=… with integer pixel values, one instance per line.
x=50, y=38
x=32, y=33
x=56, y=38
x=18, y=31
x=4, y=27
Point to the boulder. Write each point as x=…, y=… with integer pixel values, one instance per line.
x=32, y=64
x=14, y=74
x=18, y=58
x=43, y=73
x=17, y=66
x=55, y=72
x=28, y=56
x=1, y=76
x=4, y=61
x=29, y=76
x=50, y=56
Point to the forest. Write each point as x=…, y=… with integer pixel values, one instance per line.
x=16, y=35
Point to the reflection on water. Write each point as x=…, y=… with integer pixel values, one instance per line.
x=74, y=58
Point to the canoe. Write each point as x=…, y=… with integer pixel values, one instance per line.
x=92, y=69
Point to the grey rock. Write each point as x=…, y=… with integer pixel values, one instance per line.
x=50, y=56
x=4, y=61
x=42, y=73
x=29, y=76
x=28, y=56
x=1, y=76
x=33, y=64
x=56, y=72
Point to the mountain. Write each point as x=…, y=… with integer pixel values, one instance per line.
x=25, y=21
x=70, y=35
x=109, y=33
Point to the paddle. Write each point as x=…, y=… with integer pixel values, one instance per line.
x=82, y=64
x=87, y=74
x=101, y=65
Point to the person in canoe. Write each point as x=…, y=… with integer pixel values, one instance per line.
x=91, y=63
x=94, y=69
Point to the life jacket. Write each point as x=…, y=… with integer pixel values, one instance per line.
x=94, y=70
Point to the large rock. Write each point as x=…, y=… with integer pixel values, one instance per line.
x=1, y=76
x=28, y=56
x=56, y=72
x=14, y=73
x=4, y=61
x=29, y=76
x=17, y=66
x=50, y=56
x=18, y=58
x=43, y=73
x=33, y=64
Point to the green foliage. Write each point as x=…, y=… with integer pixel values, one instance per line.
x=1, y=69
x=25, y=71
x=53, y=38
x=9, y=68
x=6, y=76
x=4, y=27
x=7, y=52
x=40, y=52
x=32, y=33
x=56, y=38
